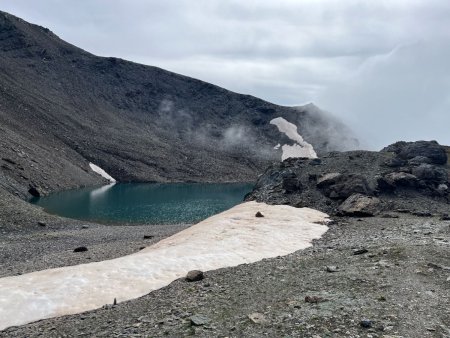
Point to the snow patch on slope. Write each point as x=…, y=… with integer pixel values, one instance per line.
x=301, y=148
x=231, y=238
x=101, y=172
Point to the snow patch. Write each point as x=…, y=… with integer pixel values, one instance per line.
x=301, y=148
x=101, y=172
x=231, y=238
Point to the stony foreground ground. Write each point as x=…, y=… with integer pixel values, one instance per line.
x=400, y=287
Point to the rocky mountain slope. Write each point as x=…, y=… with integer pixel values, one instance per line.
x=62, y=107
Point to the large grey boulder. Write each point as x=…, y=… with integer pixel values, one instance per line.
x=397, y=179
x=360, y=205
x=410, y=150
x=431, y=173
x=341, y=186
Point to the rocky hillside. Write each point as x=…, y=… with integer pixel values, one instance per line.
x=405, y=176
x=62, y=107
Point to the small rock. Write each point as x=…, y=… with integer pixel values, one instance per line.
x=332, y=268
x=80, y=249
x=148, y=236
x=314, y=299
x=42, y=224
x=257, y=318
x=85, y=226
x=445, y=217
x=422, y=214
x=438, y=266
x=403, y=211
x=360, y=251
x=389, y=216
x=198, y=320
x=366, y=323
x=194, y=276
x=259, y=214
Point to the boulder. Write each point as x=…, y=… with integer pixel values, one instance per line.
x=360, y=205
x=341, y=186
x=409, y=150
x=431, y=173
x=395, y=162
x=418, y=160
x=397, y=179
x=328, y=179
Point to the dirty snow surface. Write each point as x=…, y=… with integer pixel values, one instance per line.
x=301, y=148
x=231, y=238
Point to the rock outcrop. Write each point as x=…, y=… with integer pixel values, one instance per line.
x=411, y=176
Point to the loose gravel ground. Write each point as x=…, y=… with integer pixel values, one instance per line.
x=399, y=288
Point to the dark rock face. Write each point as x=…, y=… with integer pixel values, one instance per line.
x=33, y=191
x=360, y=183
x=291, y=183
x=419, y=150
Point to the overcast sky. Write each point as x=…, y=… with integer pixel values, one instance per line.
x=381, y=66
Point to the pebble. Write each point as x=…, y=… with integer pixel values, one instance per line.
x=257, y=318
x=366, y=323
x=80, y=249
x=259, y=214
x=332, y=268
x=198, y=320
x=360, y=251
x=314, y=299
x=42, y=224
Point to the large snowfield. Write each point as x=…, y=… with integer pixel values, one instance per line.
x=231, y=238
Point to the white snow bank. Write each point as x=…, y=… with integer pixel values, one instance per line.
x=301, y=149
x=101, y=172
x=231, y=238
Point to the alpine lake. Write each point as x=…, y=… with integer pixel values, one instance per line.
x=145, y=203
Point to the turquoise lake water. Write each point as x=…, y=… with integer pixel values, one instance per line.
x=150, y=203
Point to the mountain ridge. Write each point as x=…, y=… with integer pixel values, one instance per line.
x=62, y=107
